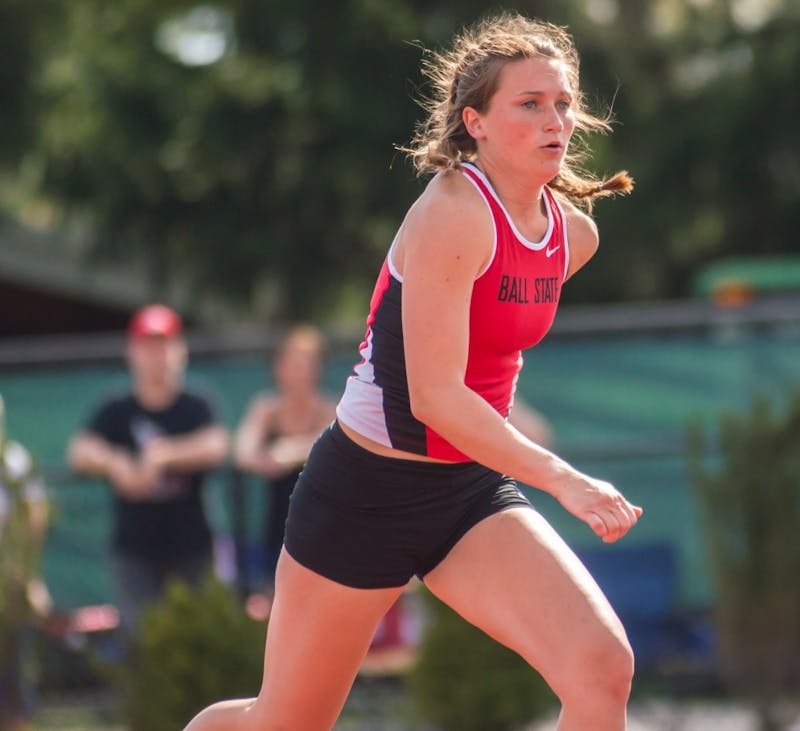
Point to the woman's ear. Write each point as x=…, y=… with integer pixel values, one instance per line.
x=473, y=122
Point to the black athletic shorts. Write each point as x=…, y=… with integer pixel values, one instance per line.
x=369, y=521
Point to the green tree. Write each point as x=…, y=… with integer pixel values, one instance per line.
x=706, y=127
x=246, y=146
x=16, y=23
x=272, y=163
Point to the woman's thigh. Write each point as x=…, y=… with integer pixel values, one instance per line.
x=318, y=634
x=514, y=577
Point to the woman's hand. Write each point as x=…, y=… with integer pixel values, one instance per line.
x=599, y=504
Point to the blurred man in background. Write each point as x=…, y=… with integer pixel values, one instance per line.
x=23, y=522
x=154, y=446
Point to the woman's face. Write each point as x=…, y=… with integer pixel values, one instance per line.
x=529, y=120
x=297, y=367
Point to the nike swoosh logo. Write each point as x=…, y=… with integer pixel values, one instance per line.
x=550, y=251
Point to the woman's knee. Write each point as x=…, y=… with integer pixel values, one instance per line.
x=619, y=666
x=603, y=665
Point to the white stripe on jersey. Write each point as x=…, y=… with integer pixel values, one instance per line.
x=365, y=370
x=361, y=408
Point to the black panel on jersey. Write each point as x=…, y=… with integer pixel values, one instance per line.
x=389, y=365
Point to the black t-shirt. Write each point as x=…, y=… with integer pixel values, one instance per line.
x=172, y=523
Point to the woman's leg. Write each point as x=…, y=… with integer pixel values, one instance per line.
x=516, y=579
x=318, y=634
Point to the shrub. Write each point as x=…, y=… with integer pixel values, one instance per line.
x=466, y=681
x=751, y=505
x=195, y=647
x=20, y=542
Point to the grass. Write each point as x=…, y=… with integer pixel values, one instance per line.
x=377, y=704
x=94, y=712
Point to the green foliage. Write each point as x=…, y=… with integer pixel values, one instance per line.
x=194, y=648
x=16, y=22
x=751, y=504
x=466, y=681
x=19, y=542
x=21, y=512
x=241, y=172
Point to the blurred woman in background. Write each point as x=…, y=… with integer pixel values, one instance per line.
x=278, y=429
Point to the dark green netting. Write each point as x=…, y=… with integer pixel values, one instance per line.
x=619, y=408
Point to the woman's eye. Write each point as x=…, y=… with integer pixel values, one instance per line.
x=530, y=104
x=563, y=104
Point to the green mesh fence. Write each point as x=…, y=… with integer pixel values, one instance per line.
x=618, y=406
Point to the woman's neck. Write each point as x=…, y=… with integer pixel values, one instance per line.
x=523, y=199
x=521, y=196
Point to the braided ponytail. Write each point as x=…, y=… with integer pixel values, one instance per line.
x=583, y=189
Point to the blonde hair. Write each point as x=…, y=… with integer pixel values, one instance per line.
x=467, y=75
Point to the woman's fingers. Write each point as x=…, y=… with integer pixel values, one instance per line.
x=615, y=521
x=629, y=513
x=603, y=507
x=597, y=524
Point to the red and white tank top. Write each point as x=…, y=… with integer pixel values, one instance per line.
x=514, y=302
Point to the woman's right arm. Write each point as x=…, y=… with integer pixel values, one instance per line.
x=248, y=447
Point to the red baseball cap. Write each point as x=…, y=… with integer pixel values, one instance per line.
x=155, y=320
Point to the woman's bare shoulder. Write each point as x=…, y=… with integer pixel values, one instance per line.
x=583, y=236
x=451, y=188
x=450, y=214
x=580, y=223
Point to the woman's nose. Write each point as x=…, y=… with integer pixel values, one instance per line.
x=554, y=120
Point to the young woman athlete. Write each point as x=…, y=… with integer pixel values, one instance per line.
x=417, y=474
